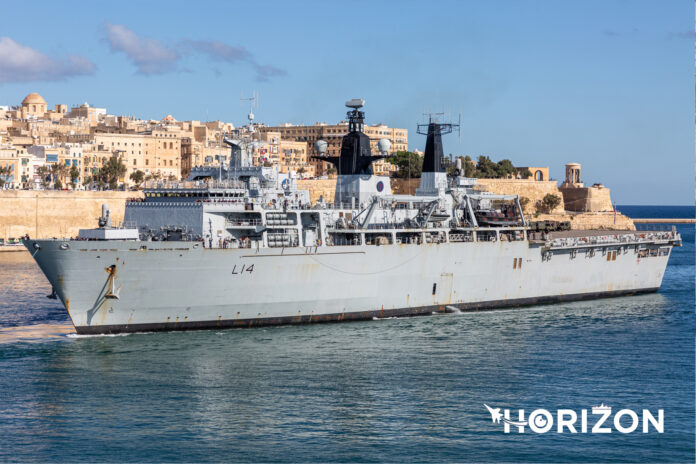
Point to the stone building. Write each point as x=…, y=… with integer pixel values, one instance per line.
x=579, y=198
x=152, y=152
x=17, y=161
x=286, y=155
x=33, y=105
x=538, y=174
x=333, y=135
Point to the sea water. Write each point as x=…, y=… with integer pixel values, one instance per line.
x=403, y=389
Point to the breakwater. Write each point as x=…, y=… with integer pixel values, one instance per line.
x=664, y=221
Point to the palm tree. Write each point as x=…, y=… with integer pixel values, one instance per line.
x=43, y=172
x=4, y=172
x=58, y=172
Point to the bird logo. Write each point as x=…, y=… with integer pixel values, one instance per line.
x=497, y=417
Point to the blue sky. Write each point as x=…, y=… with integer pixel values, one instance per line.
x=609, y=84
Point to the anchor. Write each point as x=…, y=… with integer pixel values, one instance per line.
x=112, y=292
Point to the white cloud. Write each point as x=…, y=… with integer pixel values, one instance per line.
x=150, y=56
x=220, y=51
x=19, y=63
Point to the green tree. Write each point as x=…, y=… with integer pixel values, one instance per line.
x=469, y=167
x=550, y=202
x=137, y=177
x=526, y=173
x=74, y=175
x=504, y=169
x=44, y=172
x=58, y=173
x=410, y=164
x=112, y=171
x=485, y=168
x=4, y=172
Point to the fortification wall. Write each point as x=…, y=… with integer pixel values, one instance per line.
x=404, y=186
x=602, y=221
x=318, y=188
x=49, y=213
x=525, y=188
x=45, y=214
x=587, y=199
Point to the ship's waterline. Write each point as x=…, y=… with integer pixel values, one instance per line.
x=177, y=286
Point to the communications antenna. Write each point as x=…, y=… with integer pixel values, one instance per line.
x=435, y=127
x=253, y=103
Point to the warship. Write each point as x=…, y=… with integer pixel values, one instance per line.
x=242, y=246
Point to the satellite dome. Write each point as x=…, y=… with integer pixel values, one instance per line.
x=321, y=147
x=384, y=145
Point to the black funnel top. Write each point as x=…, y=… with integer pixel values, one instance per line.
x=356, y=156
x=432, y=159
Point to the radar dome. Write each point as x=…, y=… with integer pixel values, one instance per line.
x=321, y=146
x=384, y=145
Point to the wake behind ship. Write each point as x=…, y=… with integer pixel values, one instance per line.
x=241, y=246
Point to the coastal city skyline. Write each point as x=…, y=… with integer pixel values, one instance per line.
x=612, y=92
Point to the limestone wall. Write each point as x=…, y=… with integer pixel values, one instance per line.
x=601, y=221
x=587, y=199
x=405, y=186
x=527, y=188
x=317, y=188
x=45, y=214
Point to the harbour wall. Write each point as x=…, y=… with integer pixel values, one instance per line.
x=533, y=190
x=45, y=214
x=54, y=213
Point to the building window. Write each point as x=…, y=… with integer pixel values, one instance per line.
x=135, y=162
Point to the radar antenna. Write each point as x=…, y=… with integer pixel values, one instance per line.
x=440, y=127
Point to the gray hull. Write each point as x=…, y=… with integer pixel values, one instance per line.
x=127, y=286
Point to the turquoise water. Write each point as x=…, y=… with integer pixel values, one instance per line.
x=407, y=389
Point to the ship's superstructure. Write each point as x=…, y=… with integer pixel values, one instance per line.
x=241, y=246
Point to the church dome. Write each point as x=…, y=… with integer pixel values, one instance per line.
x=33, y=98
